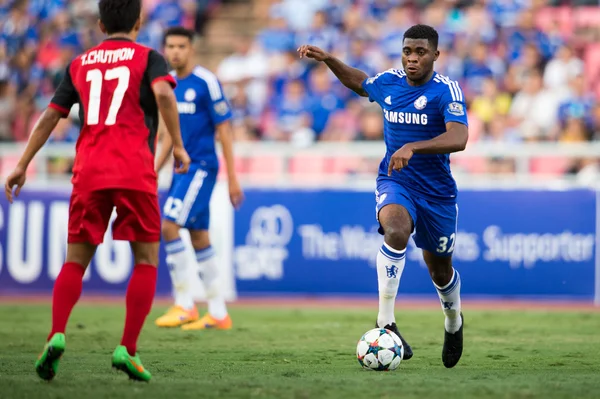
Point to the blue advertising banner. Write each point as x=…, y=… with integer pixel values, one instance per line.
x=33, y=243
x=325, y=242
x=509, y=243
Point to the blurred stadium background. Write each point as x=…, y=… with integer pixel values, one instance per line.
x=307, y=149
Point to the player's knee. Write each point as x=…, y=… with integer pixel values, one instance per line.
x=440, y=269
x=145, y=253
x=169, y=230
x=80, y=253
x=397, y=236
x=147, y=259
x=200, y=239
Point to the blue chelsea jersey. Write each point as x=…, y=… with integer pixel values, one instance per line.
x=202, y=106
x=418, y=113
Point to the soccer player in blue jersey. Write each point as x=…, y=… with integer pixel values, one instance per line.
x=424, y=121
x=203, y=114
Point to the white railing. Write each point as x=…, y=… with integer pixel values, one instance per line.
x=368, y=151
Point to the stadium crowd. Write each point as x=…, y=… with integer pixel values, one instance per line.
x=523, y=77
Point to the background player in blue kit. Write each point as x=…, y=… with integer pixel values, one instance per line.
x=424, y=121
x=203, y=113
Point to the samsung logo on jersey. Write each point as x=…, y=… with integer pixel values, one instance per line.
x=186, y=108
x=409, y=118
x=107, y=56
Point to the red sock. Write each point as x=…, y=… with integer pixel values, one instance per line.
x=140, y=294
x=67, y=290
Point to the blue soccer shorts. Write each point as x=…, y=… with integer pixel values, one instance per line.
x=434, y=222
x=188, y=200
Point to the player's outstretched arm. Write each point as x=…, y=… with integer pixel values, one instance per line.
x=453, y=140
x=350, y=77
x=225, y=134
x=40, y=134
x=167, y=105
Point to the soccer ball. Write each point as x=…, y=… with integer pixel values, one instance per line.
x=380, y=350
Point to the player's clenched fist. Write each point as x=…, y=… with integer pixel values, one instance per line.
x=313, y=52
x=182, y=160
x=400, y=159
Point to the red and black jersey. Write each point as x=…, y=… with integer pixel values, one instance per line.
x=112, y=83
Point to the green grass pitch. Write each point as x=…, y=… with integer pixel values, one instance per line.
x=307, y=353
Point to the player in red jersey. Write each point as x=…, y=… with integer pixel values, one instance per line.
x=120, y=86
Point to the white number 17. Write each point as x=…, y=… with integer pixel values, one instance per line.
x=94, y=76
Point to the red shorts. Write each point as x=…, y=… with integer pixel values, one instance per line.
x=138, y=216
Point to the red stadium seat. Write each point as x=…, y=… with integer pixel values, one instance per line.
x=343, y=165
x=473, y=165
x=308, y=168
x=475, y=127
x=592, y=63
x=586, y=17
x=240, y=165
x=8, y=163
x=265, y=169
x=547, y=17
x=549, y=166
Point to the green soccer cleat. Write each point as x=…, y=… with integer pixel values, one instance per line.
x=130, y=365
x=46, y=365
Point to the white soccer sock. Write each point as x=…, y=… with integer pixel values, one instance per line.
x=450, y=300
x=209, y=273
x=177, y=262
x=390, y=264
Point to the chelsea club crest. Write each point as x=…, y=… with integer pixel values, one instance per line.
x=190, y=95
x=421, y=102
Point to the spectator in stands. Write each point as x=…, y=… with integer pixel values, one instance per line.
x=478, y=24
x=291, y=112
x=476, y=70
x=291, y=68
x=391, y=34
x=247, y=68
x=534, y=110
x=277, y=37
x=244, y=122
x=575, y=131
x=343, y=125
x=324, y=101
x=578, y=105
x=506, y=13
x=493, y=47
x=498, y=130
x=298, y=13
x=151, y=32
x=320, y=33
x=529, y=61
x=371, y=124
x=527, y=33
x=18, y=33
x=491, y=103
x=561, y=68
x=168, y=13
x=596, y=122
x=7, y=106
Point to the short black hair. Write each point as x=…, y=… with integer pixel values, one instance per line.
x=423, y=32
x=178, y=31
x=119, y=16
